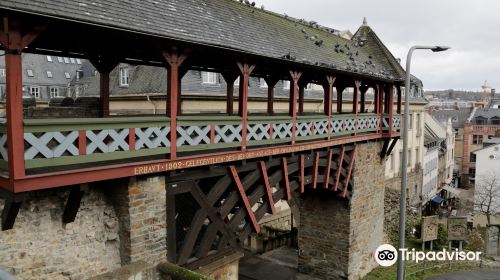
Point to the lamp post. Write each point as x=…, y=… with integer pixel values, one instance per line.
x=404, y=161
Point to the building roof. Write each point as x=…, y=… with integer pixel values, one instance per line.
x=458, y=117
x=486, y=148
x=231, y=25
x=487, y=113
x=433, y=131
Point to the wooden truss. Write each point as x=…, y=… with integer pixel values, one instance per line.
x=210, y=212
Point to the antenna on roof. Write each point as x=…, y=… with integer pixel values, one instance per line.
x=364, y=21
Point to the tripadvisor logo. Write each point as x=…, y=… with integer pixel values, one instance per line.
x=387, y=255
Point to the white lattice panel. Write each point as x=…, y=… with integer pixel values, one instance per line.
x=3, y=147
x=151, y=137
x=321, y=127
x=193, y=135
x=350, y=124
x=372, y=122
x=50, y=144
x=258, y=132
x=396, y=122
x=303, y=129
x=336, y=125
x=385, y=122
x=361, y=123
x=282, y=130
x=107, y=140
x=227, y=133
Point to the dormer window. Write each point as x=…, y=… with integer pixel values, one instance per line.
x=124, y=76
x=67, y=75
x=49, y=58
x=30, y=73
x=209, y=78
x=49, y=74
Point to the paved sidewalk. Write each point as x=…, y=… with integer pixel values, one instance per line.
x=279, y=264
x=469, y=275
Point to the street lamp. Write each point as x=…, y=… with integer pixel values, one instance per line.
x=404, y=161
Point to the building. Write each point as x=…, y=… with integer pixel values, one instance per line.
x=415, y=152
x=487, y=162
x=45, y=76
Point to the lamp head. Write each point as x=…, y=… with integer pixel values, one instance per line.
x=440, y=48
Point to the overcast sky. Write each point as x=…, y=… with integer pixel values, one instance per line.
x=471, y=28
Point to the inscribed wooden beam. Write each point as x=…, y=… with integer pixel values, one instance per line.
x=244, y=198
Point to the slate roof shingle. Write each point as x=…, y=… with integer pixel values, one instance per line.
x=231, y=25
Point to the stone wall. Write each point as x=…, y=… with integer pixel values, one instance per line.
x=281, y=220
x=40, y=246
x=119, y=222
x=141, y=207
x=337, y=237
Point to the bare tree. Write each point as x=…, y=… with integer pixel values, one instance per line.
x=487, y=195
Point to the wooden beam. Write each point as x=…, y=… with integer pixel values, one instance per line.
x=244, y=198
x=230, y=78
x=391, y=147
x=9, y=213
x=292, y=110
x=271, y=82
x=302, y=168
x=363, y=89
x=73, y=203
x=174, y=61
x=340, y=90
x=302, y=85
x=315, y=171
x=339, y=168
x=269, y=192
x=355, y=105
x=245, y=69
x=285, y=181
x=328, y=166
x=399, y=99
x=349, y=172
x=383, y=153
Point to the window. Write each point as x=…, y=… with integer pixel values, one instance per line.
x=209, y=78
x=390, y=162
x=60, y=59
x=123, y=76
x=49, y=74
x=237, y=82
x=66, y=60
x=78, y=61
x=477, y=139
x=72, y=60
x=54, y=92
x=2, y=72
x=263, y=83
x=67, y=75
x=286, y=84
x=410, y=123
x=30, y=73
x=49, y=58
x=417, y=121
x=35, y=92
x=309, y=86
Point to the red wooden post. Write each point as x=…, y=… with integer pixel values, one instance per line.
x=174, y=60
x=269, y=193
x=355, y=105
x=292, y=110
x=339, y=169
x=244, y=198
x=104, y=94
x=82, y=142
x=315, y=171
x=245, y=69
x=285, y=182
x=390, y=106
x=399, y=100
x=340, y=89
x=13, y=43
x=229, y=78
x=131, y=139
x=301, y=97
x=271, y=84
x=302, y=171
x=349, y=172
x=362, y=104
x=212, y=133
x=327, y=170
x=375, y=101
x=328, y=90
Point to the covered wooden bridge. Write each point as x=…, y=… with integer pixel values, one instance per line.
x=227, y=154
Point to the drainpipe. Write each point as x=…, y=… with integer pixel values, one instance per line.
x=152, y=103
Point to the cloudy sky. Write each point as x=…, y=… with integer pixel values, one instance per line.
x=471, y=28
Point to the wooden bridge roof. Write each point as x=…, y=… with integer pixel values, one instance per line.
x=229, y=25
